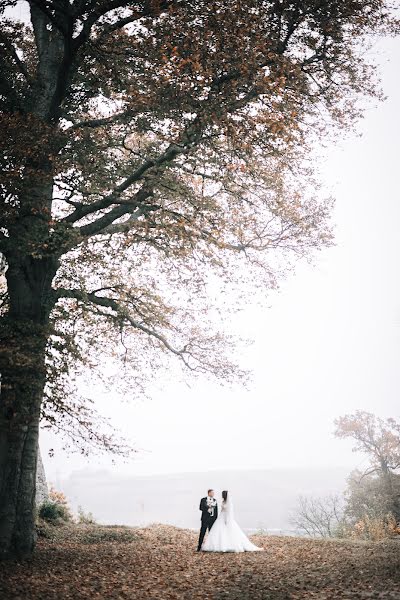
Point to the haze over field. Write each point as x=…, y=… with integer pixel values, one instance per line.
x=263, y=499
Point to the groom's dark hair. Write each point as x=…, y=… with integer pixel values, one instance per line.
x=210, y=490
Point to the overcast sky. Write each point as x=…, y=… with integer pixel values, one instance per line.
x=328, y=343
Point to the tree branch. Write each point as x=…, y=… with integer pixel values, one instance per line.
x=121, y=313
x=97, y=13
x=136, y=206
x=86, y=209
x=115, y=118
x=368, y=472
x=13, y=52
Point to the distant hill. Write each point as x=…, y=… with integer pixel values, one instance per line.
x=261, y=498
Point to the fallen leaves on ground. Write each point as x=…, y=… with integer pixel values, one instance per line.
x=160, y=563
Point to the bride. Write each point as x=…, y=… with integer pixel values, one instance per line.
x=226, y=535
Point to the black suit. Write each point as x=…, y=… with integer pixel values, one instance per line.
x=207, y=520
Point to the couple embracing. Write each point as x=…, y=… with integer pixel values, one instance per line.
x=224, y=534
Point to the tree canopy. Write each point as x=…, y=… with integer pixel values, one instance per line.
x=145, y=144
x=378, y=438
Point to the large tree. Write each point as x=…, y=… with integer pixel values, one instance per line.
x=145, y=145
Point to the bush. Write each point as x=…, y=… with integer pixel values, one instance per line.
x=44, y=530
x=55, y=510
x=375, y=528
x=58, y=497
x=85, y=518
x=54, y=513
x=370, y=495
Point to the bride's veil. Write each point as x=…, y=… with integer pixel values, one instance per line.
x=228, y=508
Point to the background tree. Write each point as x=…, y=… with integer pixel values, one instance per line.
x=320, y=516
x=375, y=492
x=369, y=507
x=146, y=145
x=367, y=498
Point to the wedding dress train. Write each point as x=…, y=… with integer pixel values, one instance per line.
x=226, y=535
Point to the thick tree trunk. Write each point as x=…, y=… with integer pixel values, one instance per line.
x=18, y=456
x=32, y=264
x=24, y=335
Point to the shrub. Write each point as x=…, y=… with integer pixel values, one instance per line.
x=55, y=510
x=375, y=528
x=85, y=518
x=57, y=497
x=54, y=513
x=44, y=530
x=371, y=495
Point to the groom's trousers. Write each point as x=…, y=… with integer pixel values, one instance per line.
x=206, y=524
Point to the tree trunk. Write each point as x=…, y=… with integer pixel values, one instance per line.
x=32, y=264
x=24, y=336
x=18, y=456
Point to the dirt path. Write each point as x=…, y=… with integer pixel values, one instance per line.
x=160, y=563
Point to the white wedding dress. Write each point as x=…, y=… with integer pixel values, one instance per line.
x=226, y=535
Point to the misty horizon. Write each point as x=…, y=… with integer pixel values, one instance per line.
x=264, y=499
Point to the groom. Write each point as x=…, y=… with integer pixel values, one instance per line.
x=209, y=514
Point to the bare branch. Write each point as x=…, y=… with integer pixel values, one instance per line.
x=368, y=472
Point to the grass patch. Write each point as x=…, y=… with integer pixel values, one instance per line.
x=101, y=535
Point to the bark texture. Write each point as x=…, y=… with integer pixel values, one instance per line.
x=24, y=335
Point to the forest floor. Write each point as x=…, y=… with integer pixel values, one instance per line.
x=160, y=563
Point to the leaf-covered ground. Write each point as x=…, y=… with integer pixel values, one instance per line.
x=160, y=563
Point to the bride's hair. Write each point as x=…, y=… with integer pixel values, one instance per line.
x=225, y=495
